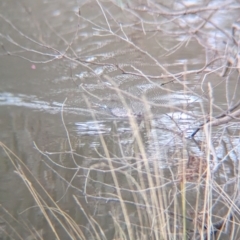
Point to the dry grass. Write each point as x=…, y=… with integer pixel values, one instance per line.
x=191, y=197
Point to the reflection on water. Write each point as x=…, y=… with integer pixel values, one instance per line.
x=98, y=108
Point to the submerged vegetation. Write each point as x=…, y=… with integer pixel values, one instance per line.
x=157, y=153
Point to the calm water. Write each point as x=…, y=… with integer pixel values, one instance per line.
x=70, y=82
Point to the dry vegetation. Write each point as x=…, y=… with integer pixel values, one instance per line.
x=124, y=190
